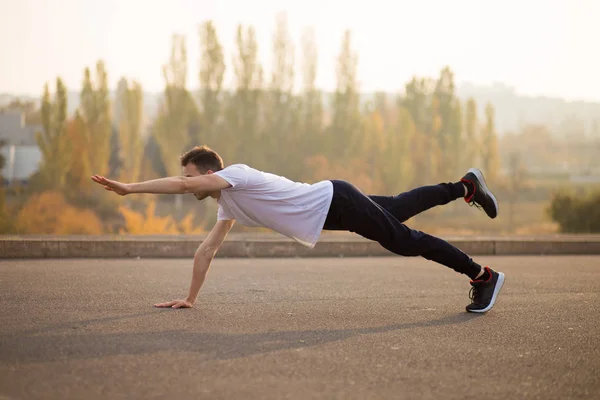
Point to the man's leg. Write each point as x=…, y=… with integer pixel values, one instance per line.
x=353, y=211
x=408, y=204
x=472, y=188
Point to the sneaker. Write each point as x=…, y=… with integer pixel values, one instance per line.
x=481, y=197
x=483, y=293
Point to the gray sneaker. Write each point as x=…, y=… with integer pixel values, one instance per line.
x=483, y=294
x=480, y=196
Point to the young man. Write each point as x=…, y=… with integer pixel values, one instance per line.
x=301, y=211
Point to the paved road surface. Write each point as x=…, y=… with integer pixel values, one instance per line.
x=388, y=328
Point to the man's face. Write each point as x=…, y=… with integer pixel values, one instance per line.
x=190, y=170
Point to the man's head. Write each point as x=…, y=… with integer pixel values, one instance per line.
x=201, y=160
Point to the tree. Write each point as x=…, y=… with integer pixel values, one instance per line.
x=346, y=122
x=311, y=105
x=129, y=131
x=243, y=111
x=172, y=126
x=212, y=69
x=53, y=140
x=416, y=102
x=489, y=147
x=373, y=142
x=448, y=127
x=516, y=182
x=423, y=109
x=81, y=154
x=470, y=148
x=398, y=169
x=96, y=116
x=280, y=120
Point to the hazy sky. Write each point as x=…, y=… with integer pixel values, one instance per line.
x=541, y=47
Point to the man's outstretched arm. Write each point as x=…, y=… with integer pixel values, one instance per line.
x=169, y=185
x=202, y=259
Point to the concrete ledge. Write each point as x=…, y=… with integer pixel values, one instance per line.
x=272, y=245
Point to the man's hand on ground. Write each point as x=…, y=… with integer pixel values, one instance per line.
x=175, y=304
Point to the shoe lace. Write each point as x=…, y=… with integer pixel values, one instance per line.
x=472, y=203
x=473, y=293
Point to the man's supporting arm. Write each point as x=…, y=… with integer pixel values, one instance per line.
x=205, y=254
x=202, y=260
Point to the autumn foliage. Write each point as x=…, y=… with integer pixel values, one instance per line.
x=49, y=213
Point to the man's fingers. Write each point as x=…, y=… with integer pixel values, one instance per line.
x=181, y=304
x=100, y=179
x=167, y=304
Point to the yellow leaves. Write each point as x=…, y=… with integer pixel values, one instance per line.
x=49, y=213
x=149, y=223
x=186, y=226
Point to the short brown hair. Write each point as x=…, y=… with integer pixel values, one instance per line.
x=204, y=158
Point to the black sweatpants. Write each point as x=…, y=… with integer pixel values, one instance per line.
x=380, y=218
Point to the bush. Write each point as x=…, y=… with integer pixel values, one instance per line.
x=49, y=213
x=6, y=220
x=576, y=213
x=150, y=223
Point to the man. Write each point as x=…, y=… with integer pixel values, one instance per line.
x=301, y=211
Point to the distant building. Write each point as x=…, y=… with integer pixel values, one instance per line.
x=21, y=152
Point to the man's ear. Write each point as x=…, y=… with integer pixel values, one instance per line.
x=209, y=172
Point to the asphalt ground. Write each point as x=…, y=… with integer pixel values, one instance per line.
x=298, y=328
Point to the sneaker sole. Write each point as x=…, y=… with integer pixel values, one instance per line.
x=499, y=285
x=479, y=176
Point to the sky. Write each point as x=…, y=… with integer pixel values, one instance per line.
x=539, y=47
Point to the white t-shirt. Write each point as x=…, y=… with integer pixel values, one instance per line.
x=256, y=198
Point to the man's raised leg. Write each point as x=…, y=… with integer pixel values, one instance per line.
x=472, y=188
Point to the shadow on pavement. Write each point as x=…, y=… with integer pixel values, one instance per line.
x=36, y=346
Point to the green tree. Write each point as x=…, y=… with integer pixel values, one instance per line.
x=489, y=147
x=53, y=140
x=129, y=130
x=95, y=109
x=398, y=169
x=470, y=148
x=516, y=183
x=448, y=128
x=243, y=113
x=311, y=105
x=373, y=142
x=346, y=124
x=172, y=126
x=416, y=102
x=212, y=69
x=280, y=120
x=423, y=109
